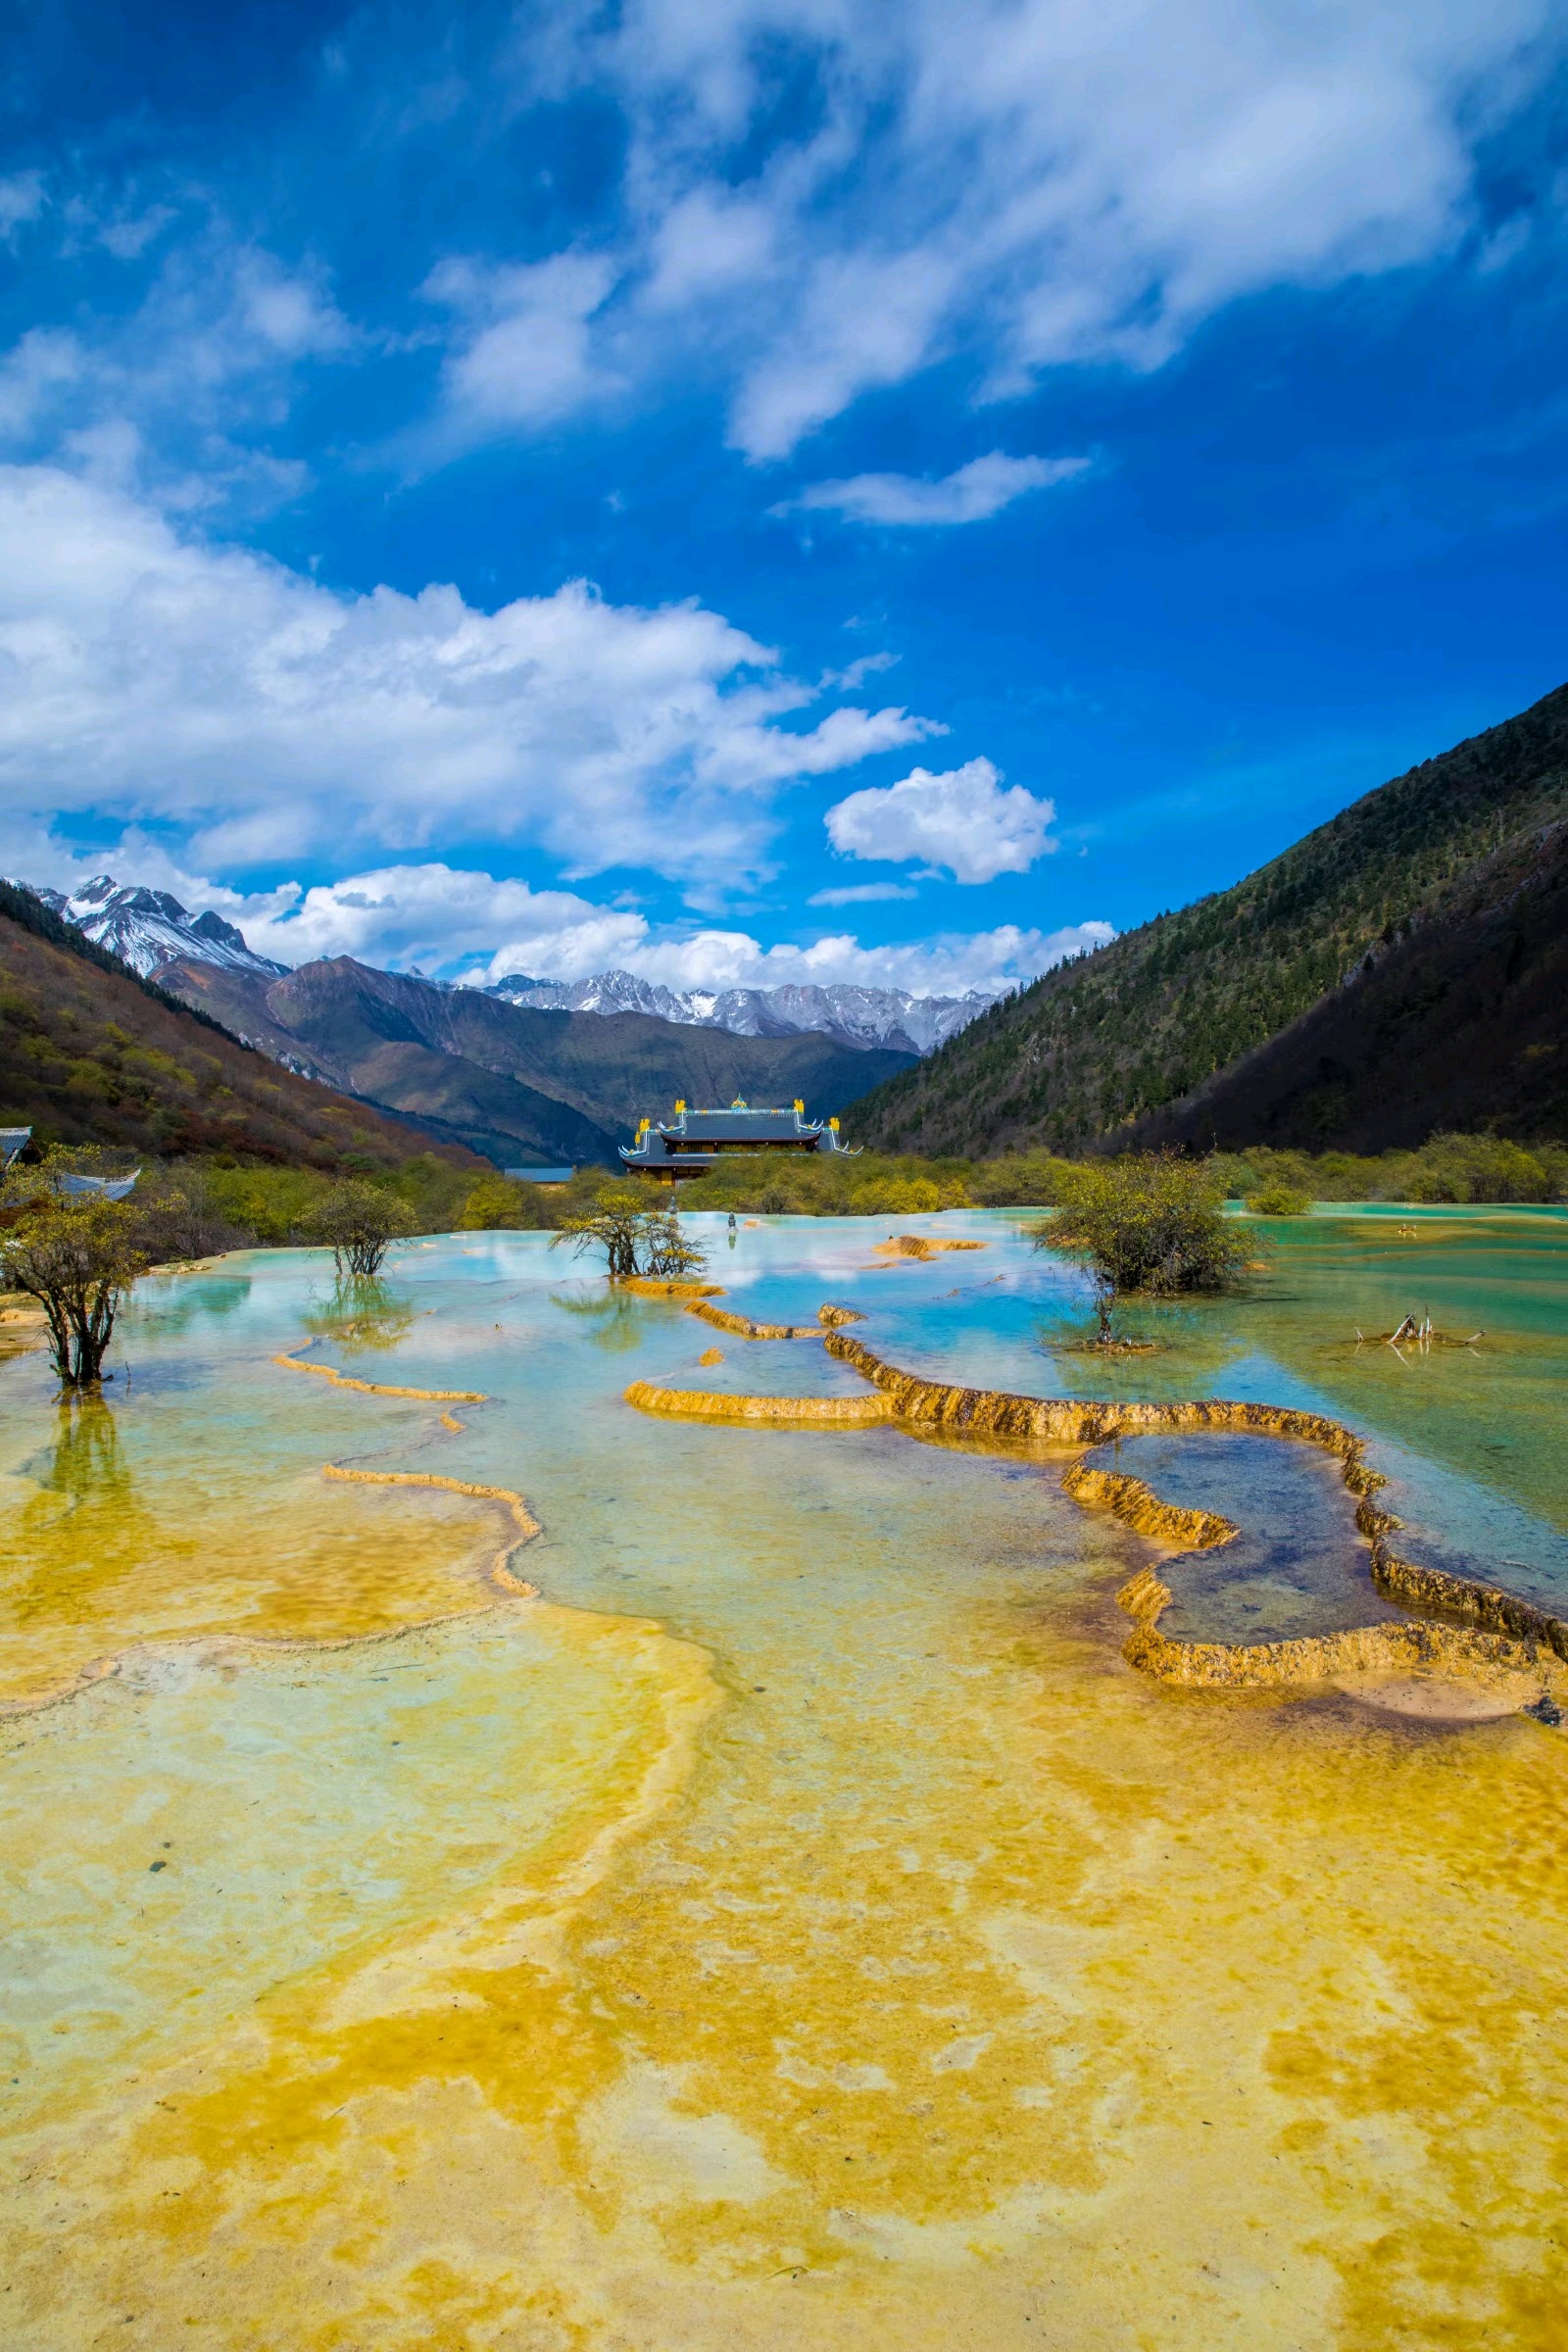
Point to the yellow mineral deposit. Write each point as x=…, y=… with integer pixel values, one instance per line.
x=896, y=1968
x=1503, y=1635
x=920, y=1246
x=723, y=1319
x=94, y=1559
x=713, y=1404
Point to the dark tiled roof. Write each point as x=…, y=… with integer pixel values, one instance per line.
x=703, y=1126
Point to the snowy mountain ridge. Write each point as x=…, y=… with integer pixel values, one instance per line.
x=148, y=928
x=856, y=1016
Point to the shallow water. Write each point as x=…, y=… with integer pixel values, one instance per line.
x=800, y=1926
x=1297, y=1566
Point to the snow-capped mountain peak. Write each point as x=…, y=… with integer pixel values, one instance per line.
x=148, y=928
x=856, y=1016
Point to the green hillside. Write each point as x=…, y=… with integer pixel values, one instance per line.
x=1108, y=1041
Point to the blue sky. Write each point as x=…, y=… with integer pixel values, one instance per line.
x=762, y=489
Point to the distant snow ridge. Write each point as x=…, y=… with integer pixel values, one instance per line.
x=147, y=928
x=857, y=1016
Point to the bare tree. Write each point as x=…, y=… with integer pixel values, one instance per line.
x=635, y=1238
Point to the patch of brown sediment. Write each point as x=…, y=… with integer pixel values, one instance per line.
x=709, y=1404
x=1501, y=1632
x=1439, y=1698
x=645, y=1285
x=380, y=1387
x=522, y=1518
x=723, y=1319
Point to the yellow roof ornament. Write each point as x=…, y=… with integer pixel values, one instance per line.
x=680, y=1109
x=833, y=1123
x=800, y=1107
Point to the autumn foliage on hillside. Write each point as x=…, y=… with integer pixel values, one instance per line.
x=90, y=1054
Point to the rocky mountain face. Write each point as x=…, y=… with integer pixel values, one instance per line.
x=520, y=1084
x=854, y=1016
x=148, y=928
x=1393, y=973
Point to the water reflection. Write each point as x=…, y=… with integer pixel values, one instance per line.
x=85, y=1528
x=184, y=1303
x=614, y=1322
x=363, y=1314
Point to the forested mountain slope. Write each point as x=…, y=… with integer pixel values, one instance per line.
x=1105, y=1043
x=1458, y=1027
x=89, y=1052
x=516, y=1082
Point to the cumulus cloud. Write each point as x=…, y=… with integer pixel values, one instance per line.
x=436, y=916
x=963, y=821
x=523, y=354
x=150, y=678
x=947, y=964
x=1017, y=182
x=972, y=494
x=473, y=926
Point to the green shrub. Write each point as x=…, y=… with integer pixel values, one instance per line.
x=1279, y=1200
x=1149, y=1221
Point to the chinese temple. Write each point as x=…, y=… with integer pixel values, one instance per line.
x=695, y=1141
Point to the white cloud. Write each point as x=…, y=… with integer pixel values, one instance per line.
x=152, y=678
x=863, y=894
x=962, y=821
x=22, y=199
x=523, y=355
x=946, y=965
x=45, y=363
x=437, y=918
x=478, y=927
x=972, y=494
x=1016, y=183
x=212, y=350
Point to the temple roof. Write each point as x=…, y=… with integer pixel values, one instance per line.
x=696, y=1135
x=698, y=1126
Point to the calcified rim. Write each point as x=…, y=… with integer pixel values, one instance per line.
x=722, y=1319
x=379, y=1388
x=1489, y=1628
